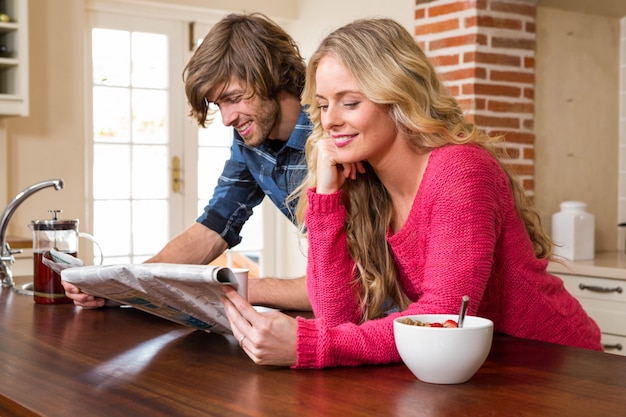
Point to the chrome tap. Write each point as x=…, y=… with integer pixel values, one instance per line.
x=6, y=254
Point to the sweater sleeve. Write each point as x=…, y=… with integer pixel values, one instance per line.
x=347, y=344
x=335, y=337
x=331, y=283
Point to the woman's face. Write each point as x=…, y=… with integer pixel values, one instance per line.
x=361, y=129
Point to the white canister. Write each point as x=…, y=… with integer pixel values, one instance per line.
x=573, y=231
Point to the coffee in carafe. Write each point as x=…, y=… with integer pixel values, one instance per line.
x=62, y=236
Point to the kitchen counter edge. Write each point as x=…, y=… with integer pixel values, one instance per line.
x=610, y=265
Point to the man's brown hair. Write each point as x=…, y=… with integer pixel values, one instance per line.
x=251, y=48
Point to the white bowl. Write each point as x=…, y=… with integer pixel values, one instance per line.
x=443, y=355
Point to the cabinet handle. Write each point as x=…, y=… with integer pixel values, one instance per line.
x=596, y=288
x=617, y=346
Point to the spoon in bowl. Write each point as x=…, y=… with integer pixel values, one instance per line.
x=464, y=302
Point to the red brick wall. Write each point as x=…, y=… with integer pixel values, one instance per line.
x=485, y=53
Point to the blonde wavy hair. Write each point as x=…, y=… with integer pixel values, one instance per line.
x=392, y=70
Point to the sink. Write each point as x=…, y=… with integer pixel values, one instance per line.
x=23, y=285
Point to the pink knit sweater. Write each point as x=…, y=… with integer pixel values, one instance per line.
x=463, y=236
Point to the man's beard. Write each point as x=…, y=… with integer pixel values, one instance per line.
x=265, y=121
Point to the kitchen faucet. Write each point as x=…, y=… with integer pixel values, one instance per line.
x=6, y=254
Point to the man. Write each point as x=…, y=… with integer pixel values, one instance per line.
x=251, y=70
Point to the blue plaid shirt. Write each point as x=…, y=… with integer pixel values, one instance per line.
x=273, y=169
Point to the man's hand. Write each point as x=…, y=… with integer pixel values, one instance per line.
x=80, y=298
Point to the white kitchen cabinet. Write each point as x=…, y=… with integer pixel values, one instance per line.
x=600, y=286
x=14, y=58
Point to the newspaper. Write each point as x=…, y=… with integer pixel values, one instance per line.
x=186, y=294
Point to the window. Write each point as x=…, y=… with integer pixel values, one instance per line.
x=133, y=204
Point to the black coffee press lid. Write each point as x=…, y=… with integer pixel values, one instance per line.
x=54, y=223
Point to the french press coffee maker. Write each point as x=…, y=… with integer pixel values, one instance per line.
x=62, y=236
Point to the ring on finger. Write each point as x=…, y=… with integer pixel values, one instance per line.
x=241, y=341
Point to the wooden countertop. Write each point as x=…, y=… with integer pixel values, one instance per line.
x=604, y=265
x=59, y=360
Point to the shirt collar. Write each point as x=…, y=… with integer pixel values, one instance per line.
x=301, y=132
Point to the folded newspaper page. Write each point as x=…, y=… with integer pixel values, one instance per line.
x=186, y=294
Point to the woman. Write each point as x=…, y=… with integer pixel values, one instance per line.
x=407, y=208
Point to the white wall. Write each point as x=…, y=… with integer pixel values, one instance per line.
x=576, y=117
x=278, y=9
x=317, y=18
